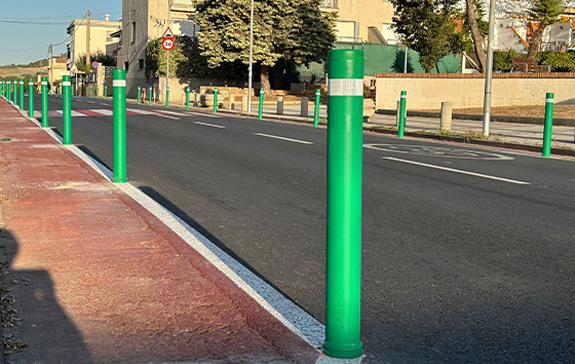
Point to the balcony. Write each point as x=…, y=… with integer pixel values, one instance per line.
x=328, y=4
x=182, y=5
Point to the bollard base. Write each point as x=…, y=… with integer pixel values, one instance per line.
x=343, y=351
x=119, y=180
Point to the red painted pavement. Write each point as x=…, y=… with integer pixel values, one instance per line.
x=125, y=288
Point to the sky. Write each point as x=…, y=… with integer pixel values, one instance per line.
x=28, y=27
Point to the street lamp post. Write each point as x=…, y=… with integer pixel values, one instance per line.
x=488, y=71
x=250, y=69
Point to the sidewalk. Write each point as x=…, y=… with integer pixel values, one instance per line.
x=92, y=276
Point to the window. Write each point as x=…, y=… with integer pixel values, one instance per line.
x=140, y=64
x=126, y=65
x=133, y=33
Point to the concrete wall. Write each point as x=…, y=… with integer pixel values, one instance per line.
x=427, y=91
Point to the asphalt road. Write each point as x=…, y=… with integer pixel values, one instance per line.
x=471, y=262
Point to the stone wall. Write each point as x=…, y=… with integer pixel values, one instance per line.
x=427, y=91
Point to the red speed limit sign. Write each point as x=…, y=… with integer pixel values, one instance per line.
x=168, y=44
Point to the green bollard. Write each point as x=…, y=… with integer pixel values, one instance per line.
x=344, y=169
x=9, y=95
x=139, y=92
x=90, y=91
x=316, y=111
x=15, y=96
x=44, y=102
x=67, y=110
x=30, y=98
x=150, y=97
x=261, y=109
x=119, y=111
x=548, y=124
x=167, y=97
x=21, y=94
x=188, y=98
x=401, y=126
x=105, y=92
x=215, y=100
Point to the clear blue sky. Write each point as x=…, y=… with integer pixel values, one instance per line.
x=28, y=27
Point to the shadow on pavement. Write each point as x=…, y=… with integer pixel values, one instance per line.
x=36, y=329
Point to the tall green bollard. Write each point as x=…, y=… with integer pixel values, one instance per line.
x=105, y=92
x=90, y=91
x=139, y=92
x=15, y=98
x=548, y=124
x=150, y=97
x=44, y=84
x=21, y=94
x=215, y=100
x=188, y=98
x=67, y=110
x=401, y=126
x=167, y=96
x=344, y=168
x=316, y=110
x=30, y=98
x=9, y=95
x=261, y=109
x=119, y=96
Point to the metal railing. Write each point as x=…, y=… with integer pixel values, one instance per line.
x=328, y=4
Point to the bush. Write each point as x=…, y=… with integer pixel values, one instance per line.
x=560, y=62
x=502, y=59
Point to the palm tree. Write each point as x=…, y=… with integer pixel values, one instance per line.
x=544, y=12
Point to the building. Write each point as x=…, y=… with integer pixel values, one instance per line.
x=56, y=69
x=146, y=20
x=101, y=39
x=361, y=21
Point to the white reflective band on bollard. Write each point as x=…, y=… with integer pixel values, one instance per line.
x=549, y=100
x=44, y=83
x=404, y=96
x=345, y=87
x=21, y=82
x=66, y=83
x=119, y=83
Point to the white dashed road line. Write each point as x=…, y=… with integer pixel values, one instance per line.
x=210, y=125
x=282, y=138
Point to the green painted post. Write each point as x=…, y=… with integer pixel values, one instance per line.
x=67, y=110
x=105, y=92
x=316, y=111
x=44, y=102
x=21, y=94
x=261, y=109
x=344, y=169
x=30, y=98
x=90, y=91
x=401, y=126
x=548, y=124
x=15, y=96
x=119, y=111
x=167, y=96
x=188, y=98
x=215, y=100
x=97, y=89
x=150, y=96
x=139, y=92
x=9, y=95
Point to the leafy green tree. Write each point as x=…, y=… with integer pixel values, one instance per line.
x=427, y=27
x=545, y=12
x=106, y=59
x=477, y=29
x=290, y=29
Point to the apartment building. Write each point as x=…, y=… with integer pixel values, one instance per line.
x=101, y=39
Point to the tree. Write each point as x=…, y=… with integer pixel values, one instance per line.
x=106, y=59
x=544, y=12
x=427, y=27
x=289, y=29
x=478, y=29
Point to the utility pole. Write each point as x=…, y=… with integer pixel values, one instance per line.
x=88, y=38
x=250, y=69
x=51, y=49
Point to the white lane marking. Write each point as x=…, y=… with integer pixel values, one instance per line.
x=191, y=113
x=105, y=112
x=211, y=125
x=103, y=104
x=76, y=113
x=167, y=116
x=91, y=102
x=282, y=138
x=457, y=171
x=140, y=111
x=284, y=310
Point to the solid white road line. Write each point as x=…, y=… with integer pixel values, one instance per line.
x=282, y=138
x=457, y=171
x=211, y=125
